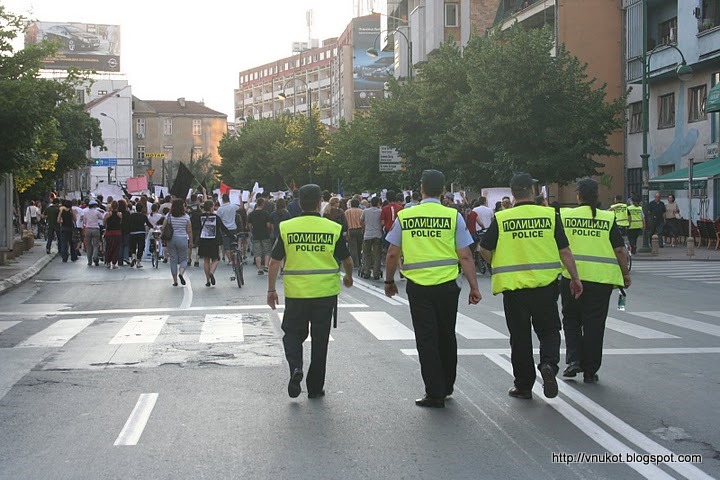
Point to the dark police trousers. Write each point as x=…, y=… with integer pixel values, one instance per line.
x=434, y=313
x=584, y=323
x=318, y=312
x=536, y=307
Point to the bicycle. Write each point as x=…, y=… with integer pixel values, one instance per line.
x=237, y=259
x=155, y=246
x=628, y=254
x=480, y=263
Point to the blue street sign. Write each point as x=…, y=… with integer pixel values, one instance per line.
x=104, y=162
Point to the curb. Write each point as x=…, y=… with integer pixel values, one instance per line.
x=685, y=258
x=25, y=275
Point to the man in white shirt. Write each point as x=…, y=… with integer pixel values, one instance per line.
x=484, y=213
x=227, y=213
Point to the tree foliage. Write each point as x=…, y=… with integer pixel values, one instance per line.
x=43, y=133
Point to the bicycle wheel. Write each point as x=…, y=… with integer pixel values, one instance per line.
x=238, y=270
x=629, y=261
x=156, y=257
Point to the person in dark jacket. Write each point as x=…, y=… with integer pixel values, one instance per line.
x=138, y=224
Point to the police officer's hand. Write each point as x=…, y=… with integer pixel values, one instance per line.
x=627, y=280
x=576, y=288
x=391, y=289
x=272, y=299
x=348, y=281
x=474, y=297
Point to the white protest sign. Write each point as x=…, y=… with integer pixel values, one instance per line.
x=235, y=196
x=245, y=195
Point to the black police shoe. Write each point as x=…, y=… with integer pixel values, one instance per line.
x=294, y=388
x=590, y=377
x=319, y=394
x=572, y=370
x=550, y=386
x=519, y=393
x=432, y=402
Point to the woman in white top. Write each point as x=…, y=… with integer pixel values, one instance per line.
x=32, y=218
x=672, y=220
x=181, y=240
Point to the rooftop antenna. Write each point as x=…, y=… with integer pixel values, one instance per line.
x=309, y=20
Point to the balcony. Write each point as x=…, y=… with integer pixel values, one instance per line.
x=531, y=13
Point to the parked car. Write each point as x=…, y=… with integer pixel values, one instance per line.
x=72, y=38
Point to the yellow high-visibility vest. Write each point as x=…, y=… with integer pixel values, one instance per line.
x=311, y=270
x=526, y=255
x=590, y=243
x=636, y=217
x=621, y=214
x=428, y=243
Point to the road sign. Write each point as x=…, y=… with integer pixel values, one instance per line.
x=150, y=172
x=390, y=160
x=104, y=162
x=154, y=155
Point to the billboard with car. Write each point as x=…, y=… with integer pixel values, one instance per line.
x=369, y=72
x=88, y=46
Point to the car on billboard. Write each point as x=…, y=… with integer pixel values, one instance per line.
x=378, y=70
x=72, y=37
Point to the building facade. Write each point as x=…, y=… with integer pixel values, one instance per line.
x=679, y=129
x=167, y=131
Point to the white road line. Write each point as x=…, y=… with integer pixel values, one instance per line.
x=140, y=329
x=366, y=288
x=636, y=331
x=602, y=437
x=187, y=293
x=222, y=328
x=125, y=311
x=682, y=322
x=474, y=330
x=133, y=429
x=712, y=283
x=711, y=314
x=703, y=276
x=473, y=352
x=383, y=326
x=57, y=334
x=5, y=325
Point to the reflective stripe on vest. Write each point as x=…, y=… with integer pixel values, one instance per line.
x=636, y=221
x=621, y=214
x=428, y=243
x=311, y=270
x=526, y=255
x=590, y=243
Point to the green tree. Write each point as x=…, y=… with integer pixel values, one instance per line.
x=37, y=136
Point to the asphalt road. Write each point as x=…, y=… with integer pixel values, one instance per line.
x=117, y=374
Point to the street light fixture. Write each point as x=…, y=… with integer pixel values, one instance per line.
x=373, y=51
x=308, y=92
x=684, y=72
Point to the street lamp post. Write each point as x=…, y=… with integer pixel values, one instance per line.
x=117, y=156
x=308, y=93
x=684, y=72
x=373, y=52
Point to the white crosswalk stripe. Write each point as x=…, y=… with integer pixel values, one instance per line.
x=383, y=326
x=682, y=322
x=6, y=325
x=474, y=330
x=57, y=334
x=222, y=329
x=140, y=329
x=704, y=272
x=637, y=331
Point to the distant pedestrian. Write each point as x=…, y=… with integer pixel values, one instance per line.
x=209, y=241
x=113, y=235
x=260, y=226
x=637, y=222
x=66, y=221
x=32, y=218
x=53, y=231
x=372, y=240
x=92, y=221
x=672, y=220
x=656, y=216
x=433, y=240
x=181, y=240
x=354, y=230
x=139, y=226
x=294, y=205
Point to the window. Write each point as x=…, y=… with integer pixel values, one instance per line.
x=196, y=153
x=663, y=169
x=696, y=109
x=140, y=126
x=634, y=179
x=710, y=15
x=168, y=151
x=451, y=15
x=666, y=111
x=167, y=126
x=80, y=95
x=197, y=127
x=667, y=31
x=141, y=152
x=636, y=125
x=102, y=92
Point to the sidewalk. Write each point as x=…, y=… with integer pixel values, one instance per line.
x=24, y=267
x=679, y=253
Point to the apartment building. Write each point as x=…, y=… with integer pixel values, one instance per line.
x=166, y=131
x=679, y=129
x=303, y=79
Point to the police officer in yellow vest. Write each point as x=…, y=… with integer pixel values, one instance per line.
x=311, y=246
x=527, y=246
x=432, y=239
x=599, y=251
x=622, y=217
x=637, y=222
